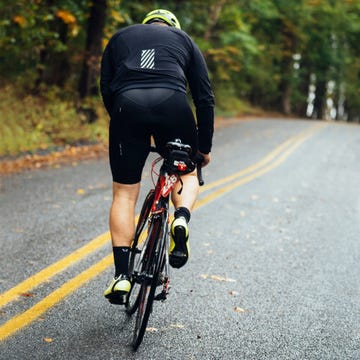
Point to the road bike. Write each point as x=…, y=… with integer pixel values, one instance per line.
x=149, y=260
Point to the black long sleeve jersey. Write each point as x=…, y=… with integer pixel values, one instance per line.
x=148, y=56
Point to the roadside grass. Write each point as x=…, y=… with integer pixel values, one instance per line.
x=29, y=123
x=41, y=124
x=228, y=104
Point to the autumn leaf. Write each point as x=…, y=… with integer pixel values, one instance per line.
x=177, y=326
x=117, y=16
x=220, y=278
x=80, y=191
x=239, y=309
x=217, y=278
x=48, y=340
x=151, y=329
x=66, y=16
x=27, y=294
x=54, y=159
x=20, y=20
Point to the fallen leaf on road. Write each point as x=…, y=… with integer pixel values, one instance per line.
x=220, y=278
x=48, y=340
x=80, y=191
x=151, y=329
x=178, y=326
x=27, y=294
x=239, y=310
x=217, y=278
x=65, y=155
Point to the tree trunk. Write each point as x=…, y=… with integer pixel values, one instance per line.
x=53, y=67
x=93, y=49
x=286, y=97
x=213, y=16
x=320, y=99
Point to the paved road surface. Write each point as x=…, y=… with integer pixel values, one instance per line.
x=275, y=253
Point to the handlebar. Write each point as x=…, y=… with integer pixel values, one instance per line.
x=199, y=160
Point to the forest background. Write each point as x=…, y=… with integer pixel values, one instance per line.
x=295, y=57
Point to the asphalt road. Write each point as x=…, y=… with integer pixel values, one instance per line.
x=275, y=253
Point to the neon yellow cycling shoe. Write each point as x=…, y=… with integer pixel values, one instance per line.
x=179, y=245
x=117, y=290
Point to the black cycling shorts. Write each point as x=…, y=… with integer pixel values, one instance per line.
x=139, y=114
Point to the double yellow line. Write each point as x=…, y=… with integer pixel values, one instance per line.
x=272, y=160
x=269, y=162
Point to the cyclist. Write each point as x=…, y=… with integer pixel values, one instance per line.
x=145, y=69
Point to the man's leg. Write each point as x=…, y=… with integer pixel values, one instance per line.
x=122, y=228
x=183, y=203
x=189, y=192
x=122, y=213
x=122, y=223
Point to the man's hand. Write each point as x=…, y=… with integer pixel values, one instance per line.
x=206, y=159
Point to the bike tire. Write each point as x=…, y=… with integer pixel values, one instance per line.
x=138, y=249
x=150, y=283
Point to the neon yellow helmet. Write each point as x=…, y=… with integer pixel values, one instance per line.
x=163, y=15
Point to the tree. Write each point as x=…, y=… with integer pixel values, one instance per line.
x=93, y=49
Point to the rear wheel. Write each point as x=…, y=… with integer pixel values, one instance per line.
x=138, y=250
x=149, y=280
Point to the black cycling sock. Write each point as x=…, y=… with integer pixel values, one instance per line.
x=121, y=259
x=182, y=211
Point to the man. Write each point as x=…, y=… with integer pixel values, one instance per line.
x=144, y=73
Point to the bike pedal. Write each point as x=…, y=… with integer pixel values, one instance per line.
x=117, y=300
x=161, y=296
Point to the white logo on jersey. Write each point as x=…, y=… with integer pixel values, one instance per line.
x=147, y=59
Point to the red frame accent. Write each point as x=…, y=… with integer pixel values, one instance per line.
x=160, y=185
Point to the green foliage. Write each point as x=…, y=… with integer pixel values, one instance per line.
x=28, y=28
x=259, y=52
x=32, y=123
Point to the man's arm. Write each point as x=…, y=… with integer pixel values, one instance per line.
x=203, y=98
x=106, y=76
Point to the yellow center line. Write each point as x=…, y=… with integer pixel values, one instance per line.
x=262, y=170
x=251, y=168
x=25, y=318
x=265, y=160
x=53, y=269
x=102, y=239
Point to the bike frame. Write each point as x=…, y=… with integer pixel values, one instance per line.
x=149, y=262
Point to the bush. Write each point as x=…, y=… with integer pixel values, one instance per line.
x=29, y=123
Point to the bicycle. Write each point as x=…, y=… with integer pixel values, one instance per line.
x=149, y=260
